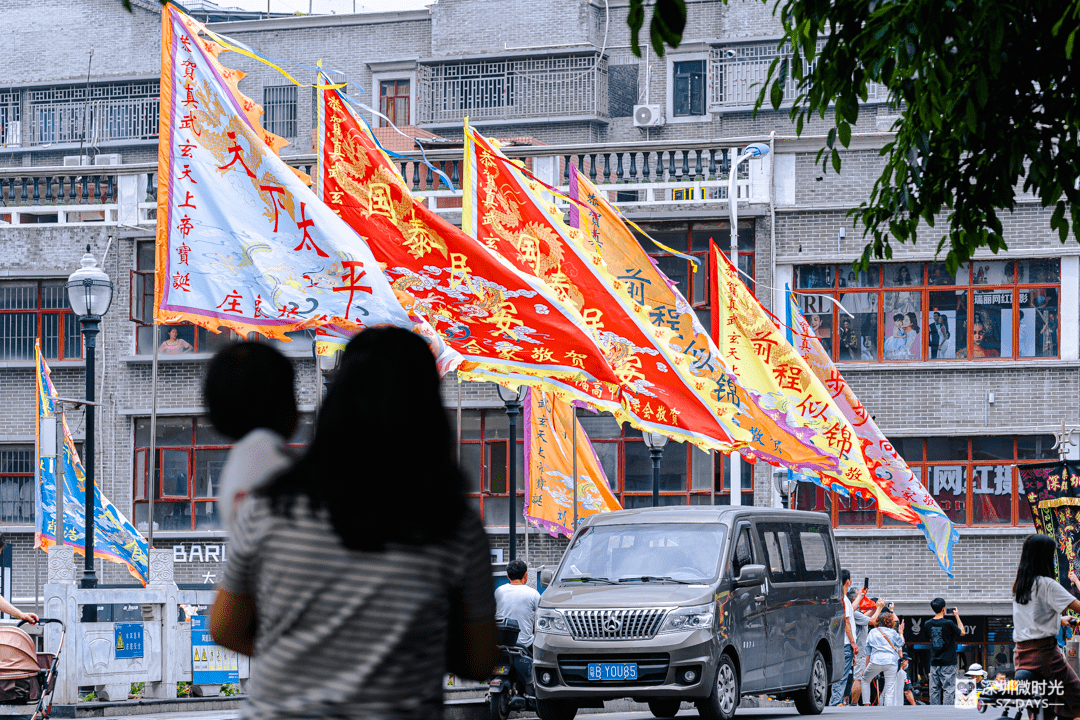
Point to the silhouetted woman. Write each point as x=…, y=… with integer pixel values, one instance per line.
x=359, y=577
x=1038, y=601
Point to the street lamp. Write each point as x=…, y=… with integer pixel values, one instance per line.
x=512, y=398
x=785, y=483
x=90, y=294
x=752, y=150
x=655, y=442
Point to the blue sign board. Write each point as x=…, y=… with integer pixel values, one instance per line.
x=128, y=640
x=211, y=664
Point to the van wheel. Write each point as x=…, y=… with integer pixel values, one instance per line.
x=664, y=708
x=555, y=709
x=812, y=699
x=724, y=700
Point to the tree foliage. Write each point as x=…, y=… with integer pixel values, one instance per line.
x=987, y=99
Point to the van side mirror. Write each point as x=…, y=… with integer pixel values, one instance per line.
x=750, y=575
x=546, y=574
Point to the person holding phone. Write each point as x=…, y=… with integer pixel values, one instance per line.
x=944, y=632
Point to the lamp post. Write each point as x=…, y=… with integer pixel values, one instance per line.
x=512, y=398
x=785, y=484
x=655, y=442
x=750, y=151
x=90, y=294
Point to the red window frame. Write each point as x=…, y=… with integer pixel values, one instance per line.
x=390, y=92
x=67, y=336
x=17, y=470
x=885, y=276
x=917, y=454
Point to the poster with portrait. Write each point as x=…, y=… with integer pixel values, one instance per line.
x=818, y=310
x=991, y=327
x=942, y=331
x=1053, y=492
x=902, y=331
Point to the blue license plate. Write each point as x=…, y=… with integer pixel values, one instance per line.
x=613, y=671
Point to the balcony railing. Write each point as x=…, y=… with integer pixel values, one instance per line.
x=677, y=173
x=574, y=85
x=59, y=195
x=738, y=73
x=66, y=115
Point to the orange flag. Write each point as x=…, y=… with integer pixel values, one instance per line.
x=550, y=466
x=657, y=301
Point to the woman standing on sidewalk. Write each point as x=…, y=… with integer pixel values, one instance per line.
x=353, y=600
x=1038, y=601
x=885, y=645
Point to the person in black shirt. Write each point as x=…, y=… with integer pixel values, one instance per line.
x=943, y=633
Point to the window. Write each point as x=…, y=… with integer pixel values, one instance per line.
x=188, y=338
x=816, y=553
x=279, y=110
x=689, y=88
x=17, y=484
x=394, y=101
x=744, y=552
x=33, y=309
x=190, y=457
x=687, y=474
x=622, y=90
x=104, y=113
x=918, y=311
x=972, y=479
x=779, y=551
x=10, y=126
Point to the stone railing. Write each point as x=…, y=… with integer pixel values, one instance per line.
x=65, y=195
x=89, y=654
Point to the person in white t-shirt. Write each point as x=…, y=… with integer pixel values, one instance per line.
x=851, y=649
x=1038, y=601
x=517, y=601
x=249, y=392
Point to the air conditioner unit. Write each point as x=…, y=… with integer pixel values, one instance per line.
x=647, y=115
x=73, y=160
x=110, y=159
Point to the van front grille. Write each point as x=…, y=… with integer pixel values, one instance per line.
x=629, y=624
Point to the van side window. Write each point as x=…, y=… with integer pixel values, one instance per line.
x=744, y=552
x=817, y=563
x=779, y=551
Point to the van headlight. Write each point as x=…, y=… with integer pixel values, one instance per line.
x=551, y=622
x=695, y=617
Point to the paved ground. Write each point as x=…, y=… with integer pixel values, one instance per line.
x=922, y=712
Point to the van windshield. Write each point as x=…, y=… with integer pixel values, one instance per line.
x=648, y=552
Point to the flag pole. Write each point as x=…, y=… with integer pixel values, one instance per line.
x=151, y=484
x=58, y=471
x=458, y=374
x=573, y=425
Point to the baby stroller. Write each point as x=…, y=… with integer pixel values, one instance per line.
x=27, y=676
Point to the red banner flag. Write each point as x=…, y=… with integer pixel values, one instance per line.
x=506, y=212
x=508, y=326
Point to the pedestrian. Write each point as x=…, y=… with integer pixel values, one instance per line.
x=1038, y=601
x=249, y=392
x=866, y=612
x=850, y=646
x=354, y=598
x=884, y=644
x=944, y=632
x=517, y=601
x=905, y=692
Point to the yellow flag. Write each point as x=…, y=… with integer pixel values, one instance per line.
x=550, y=427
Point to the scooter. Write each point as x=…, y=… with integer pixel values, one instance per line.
x=512, y=678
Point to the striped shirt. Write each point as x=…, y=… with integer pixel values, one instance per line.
x=344, y=633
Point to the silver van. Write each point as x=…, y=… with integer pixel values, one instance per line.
x=702, y=604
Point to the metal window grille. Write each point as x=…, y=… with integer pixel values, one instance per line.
x=10, y=116
x=28, y=307
x=17, y=484
x=279, y=110
x=122, y=111
x=536, y=87
x=738, y=74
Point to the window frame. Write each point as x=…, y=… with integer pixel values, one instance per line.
x=288, y=104
x=925, y=289
x=64, y=316
x=23, y=479
x=830, y=502
x=706, y=87
x=376, y=83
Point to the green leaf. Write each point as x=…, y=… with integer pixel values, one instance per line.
x=982, y=89
x=836, y=160
x=843, y=130
x=635, y=19
x=972, y=117
x=831, y=138
x=776, y=94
